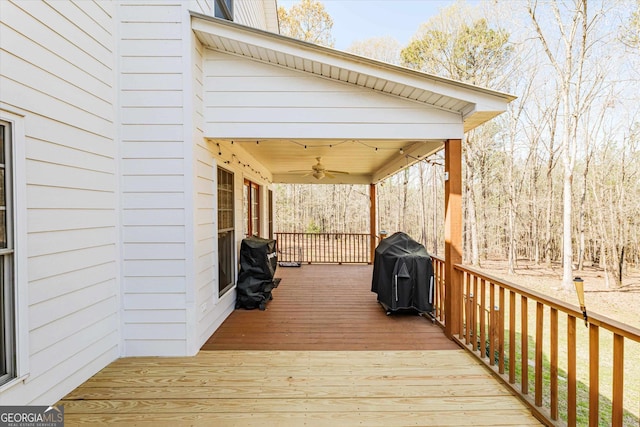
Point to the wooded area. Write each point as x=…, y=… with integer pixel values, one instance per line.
x=555, y=179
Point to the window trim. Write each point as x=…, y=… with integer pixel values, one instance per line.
x=224, y=8
x=19, y=230
x=248, y=215
x=231, y=285
x=7, y=264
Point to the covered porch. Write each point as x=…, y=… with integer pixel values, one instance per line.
x=323, y=353
x=276, y=110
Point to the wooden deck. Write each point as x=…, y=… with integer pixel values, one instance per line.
x=320, y=355
x=326, y=307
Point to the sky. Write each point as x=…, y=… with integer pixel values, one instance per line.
x=362, y=19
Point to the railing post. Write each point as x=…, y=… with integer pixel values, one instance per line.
x=372, y=221
x=453, y=235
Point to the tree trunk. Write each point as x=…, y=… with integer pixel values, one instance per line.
x=405, y=187
x=567, y=249
x=549, y=208
x=423, y=206
x=473, y=228
x=581, y=221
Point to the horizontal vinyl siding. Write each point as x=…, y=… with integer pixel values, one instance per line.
x=155, y=212
x=250, y=13
x=210, y=311
x=57, y=69
x=250, y=99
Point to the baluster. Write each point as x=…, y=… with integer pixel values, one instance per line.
x=538, y=362
x=467, y=311
x=617, y=407
x=492, y=326
x=483, y=320
x=500, y=331
x=524, y=344
x=571, y=371
x=553, y=368
x=512, y=337
x=474, y=311
x=594, y=375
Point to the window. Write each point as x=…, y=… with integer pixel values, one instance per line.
x=226, y=246
x=7, y=294
x=251, y=208
x=224, y=9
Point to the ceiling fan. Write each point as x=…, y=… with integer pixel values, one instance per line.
x=318, y=171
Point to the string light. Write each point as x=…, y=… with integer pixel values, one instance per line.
x=244, y=165
x=335, y=144
x=331, y=145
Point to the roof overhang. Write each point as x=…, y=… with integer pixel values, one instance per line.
x=471, y=105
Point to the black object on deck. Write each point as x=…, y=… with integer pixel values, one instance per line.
x=403, y=275
x=258, y=262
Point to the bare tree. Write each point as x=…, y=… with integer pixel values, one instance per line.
x=386, y=49
x=568, y=60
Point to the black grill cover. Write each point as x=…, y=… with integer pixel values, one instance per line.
x=403, y=274
x=258, y=261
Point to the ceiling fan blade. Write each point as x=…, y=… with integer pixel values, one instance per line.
x=329, y=175
x=337, y=172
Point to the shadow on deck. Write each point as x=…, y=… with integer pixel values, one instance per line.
x=324, y=353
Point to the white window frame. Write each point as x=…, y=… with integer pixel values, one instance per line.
x=15, y=122
x=223, y=9
x=231, y=285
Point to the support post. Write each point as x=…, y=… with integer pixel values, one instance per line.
x=453, y=235
x=373, y=221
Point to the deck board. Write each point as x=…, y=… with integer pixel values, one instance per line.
x=326, y=307
x=333, y=362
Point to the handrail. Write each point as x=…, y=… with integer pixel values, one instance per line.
x=494, y=312
x=612, y=325
x=324, y=248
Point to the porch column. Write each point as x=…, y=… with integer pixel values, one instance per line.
x=373, y=216
x=452, y=234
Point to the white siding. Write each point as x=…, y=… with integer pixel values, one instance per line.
x=248, y=99
x=57, y=71
x=252, y=13
x=210, y=310
x=155, y=208
x=202, y=6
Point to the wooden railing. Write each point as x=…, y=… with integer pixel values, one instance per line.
x=324, y=248
x=566, y=372
x=438, y=297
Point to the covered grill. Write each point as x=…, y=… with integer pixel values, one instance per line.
x=258, y=262
x=403, y=275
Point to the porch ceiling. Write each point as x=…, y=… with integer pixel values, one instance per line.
x=348, y=146
x=289, y=161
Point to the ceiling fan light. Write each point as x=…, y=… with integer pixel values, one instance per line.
x=318, y=174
